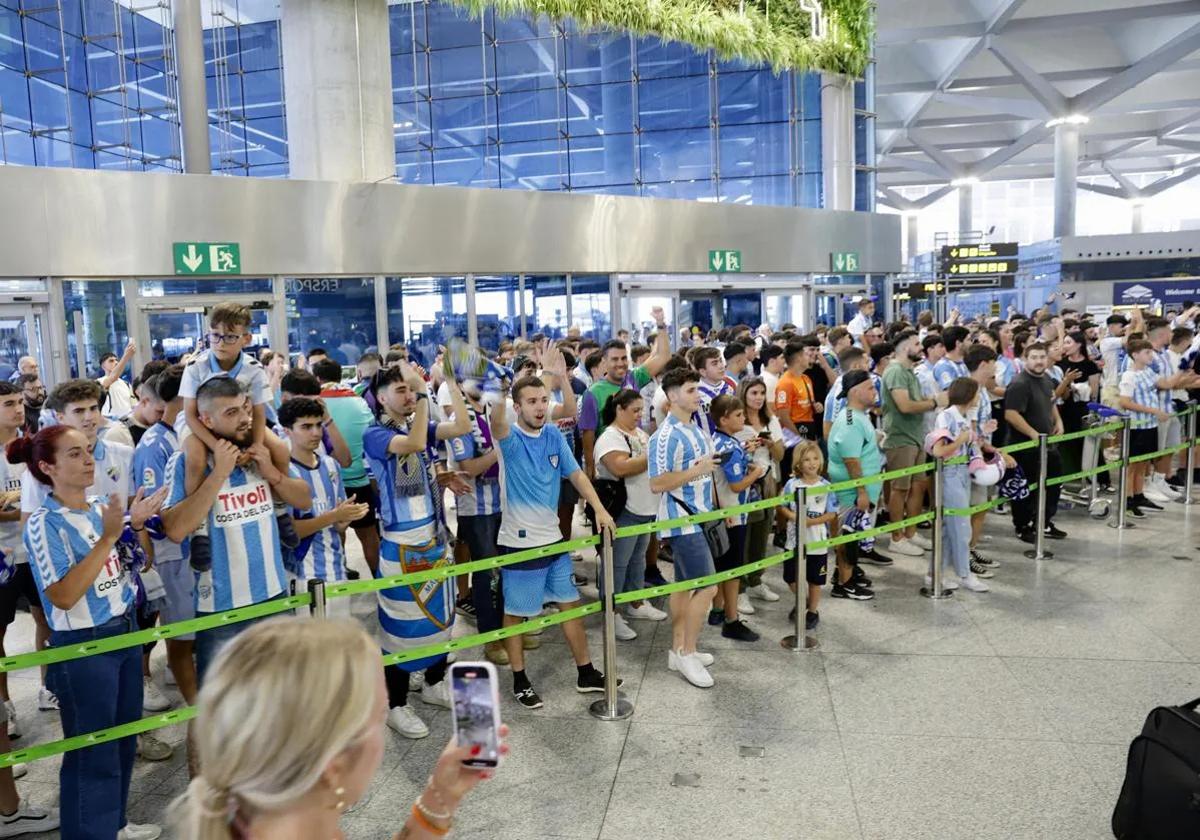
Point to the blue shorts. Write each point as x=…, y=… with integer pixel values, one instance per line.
x=526, y=590
x=692, y=557
x=180, y=582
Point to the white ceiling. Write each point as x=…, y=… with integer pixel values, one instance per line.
x=965, y=88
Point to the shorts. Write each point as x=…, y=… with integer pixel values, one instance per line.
x=815, y=569
x=567, y=495
x=691, y=556
x=1169, y=432
x=365, y=493
x=1143, y=441
x=903, y=457
x=736, y=555
x=21, y=586
x=180, y=582
x=527, y=590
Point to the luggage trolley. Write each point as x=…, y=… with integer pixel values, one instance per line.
x=1089, y=493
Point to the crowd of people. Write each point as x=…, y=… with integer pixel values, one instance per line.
x=216, y=482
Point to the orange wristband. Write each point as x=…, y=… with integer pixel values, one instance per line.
x=424, y=822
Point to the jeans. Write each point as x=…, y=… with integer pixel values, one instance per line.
x=96, y=692
x=209, y=642
x=629, y=556
x=1024, y=511
x=956, y=530
x=480, y=533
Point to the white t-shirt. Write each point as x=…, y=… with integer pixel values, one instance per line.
x=10, y=532
x=771, y=380
x=762, y=455
x=114, y=474
x=1111, y=350
x=639, y=499
x=120, y=399
x=114, y=431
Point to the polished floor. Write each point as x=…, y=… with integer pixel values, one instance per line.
x=1001, y=715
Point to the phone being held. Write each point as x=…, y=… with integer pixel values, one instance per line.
x=475, y=699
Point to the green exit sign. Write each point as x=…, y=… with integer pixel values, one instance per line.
x=844, y=262
x=725, y=262
x=207, y=258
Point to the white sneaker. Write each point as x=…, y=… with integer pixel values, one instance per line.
x=145, y=831
x=19, y=771
x=153, y=700
x=921, y=540
x=947, y=582
x=405, y=721
x=706, y=659
x=152, y=749
x=907, y=547
x=762, y=592
x=744, y=605
x=646, y=611
x=47, y=702
x=437, y=694
x=974, y=584
x=622, y=630
x=416, y=679
x=169, y=677
x=28, y=819
x=1160, y=484
x=1155, y=495
x=694, y=671
x=14, y=730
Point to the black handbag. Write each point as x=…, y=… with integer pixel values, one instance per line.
x=715, y=532
x=1160, y=799
x=612, y=492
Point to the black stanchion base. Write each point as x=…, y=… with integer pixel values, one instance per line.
x=798, y=644
x=930, y=592
x=623, y=710
x=1033, y=555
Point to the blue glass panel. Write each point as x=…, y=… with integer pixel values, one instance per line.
x=411, y=124
x=599, y=109
x=49, y=103
x=673, y=103
x=752, y=150
x=99, y=18
x=530, y=115
x=160, y=137
x=809, y=94
x=808, y=190
x=596, y=161
x=610, y=189
x=676, y=155
x=152, y=88
x=51, y=152
x=774, y=189
x=669, y=58
x=401, y=26
x=43, y=47
x=456, y=72
x=72, y=16
x=404, y=73
x=526, y=64
x=860, y=96
x=270, y=133
x=263, y=93
x=596, y=58
x=539, y=165
x=468, y=166
x=449, y=26
x=864, y=190
x=14, y=93
x=414, y=167
x=11, y=53
x=691, y=190
x=103, y=69
x=81, y=118
x=810, y=145
x=462, y=121
x=18, y=147
x=260, y=46
x=77, y=63
x=521, y=28
x=276, y=170
x=753, y=97
x=148, y=35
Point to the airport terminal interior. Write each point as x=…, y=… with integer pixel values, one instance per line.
x=881, y=235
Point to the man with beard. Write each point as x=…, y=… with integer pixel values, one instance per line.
x=34, y=394
x=237, y=502
x=1030, y=410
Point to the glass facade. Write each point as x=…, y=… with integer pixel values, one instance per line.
x=336, y=314
x=95, y=323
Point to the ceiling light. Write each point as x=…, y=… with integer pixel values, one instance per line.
x=1069, y=119
x=965, y=181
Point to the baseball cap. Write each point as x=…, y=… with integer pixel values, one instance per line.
x=1117, y=318
x=852, y=380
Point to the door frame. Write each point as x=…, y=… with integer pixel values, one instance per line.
x=38, y=333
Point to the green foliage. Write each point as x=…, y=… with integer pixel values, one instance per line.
x=758, y=32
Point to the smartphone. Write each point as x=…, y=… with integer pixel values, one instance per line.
x=475, y=694
x=764, y=435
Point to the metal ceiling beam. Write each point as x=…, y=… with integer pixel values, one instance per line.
x=1050, y=98
x=1083, y=74
x=949, y=165
x=1124, y=183
x=993, y=105
x=1103, y=189
x=919, y=165
x=1164, y=184
x=1181, y=45
x=1185, y=145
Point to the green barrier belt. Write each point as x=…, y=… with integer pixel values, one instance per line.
x=858, y=536
x=654, y=527
x=701, y=582
x=144, y=637
x=1150, y=456
x=1063, y=479
x=137, y=727
x=1095, y=430
x=855, y=483
x=1018, y=447
x=974, y=509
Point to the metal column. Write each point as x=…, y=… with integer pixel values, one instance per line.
x=381, y=315
x=193, y=94
x=472, y=322
x=1066, y=167
x=277, y=323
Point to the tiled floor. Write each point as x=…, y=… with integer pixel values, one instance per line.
x=999, y=715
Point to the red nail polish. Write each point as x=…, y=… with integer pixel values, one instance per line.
x=476, y=750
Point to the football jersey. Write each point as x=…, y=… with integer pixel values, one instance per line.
x=114, y=474
x=408, y=506
x=484, y=498
x=150, y=459
x=708, y=393
x=247, y=561
x=674, y=447
x=532, y=469
x=204, y=366
x=737, y=463
x=58, y=538
x=818, y=502
x=10, y=532
x=320, y=555
x=947, y=370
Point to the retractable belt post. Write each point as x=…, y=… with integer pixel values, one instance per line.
x=316, y=588
x=1038, y=552
x=936, y=590
x=613, y=706
x=1190, y=461
x=799, y=642
x=1122, y=479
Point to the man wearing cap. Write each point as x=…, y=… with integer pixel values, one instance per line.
x=1112, y=351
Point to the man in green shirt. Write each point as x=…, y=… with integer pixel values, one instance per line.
x=617, y=376
x=904, y=407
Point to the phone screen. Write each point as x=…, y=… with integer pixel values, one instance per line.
x=476, y=710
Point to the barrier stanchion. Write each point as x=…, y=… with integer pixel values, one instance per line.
x=316, y=588
x=1189, y=462
x=800, y=641
x=613, y=706
x=1038, y=552
x=1118, y=521
x=936, y=590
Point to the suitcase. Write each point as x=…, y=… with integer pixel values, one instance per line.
x=1160, y=799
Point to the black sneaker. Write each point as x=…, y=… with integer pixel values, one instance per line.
x=860, y=577
x=528, y=698
x=1055, y=533
x=792, y=616
x=654, y=577
x=578, y=580
x=716, y=618
x=466, y=608
x=853, y=591
x=875, y=557
x=811, y=620
x=352, y=574
x=1133, y=510
x=980, y=570
x=288, y=538
x=200, y=552
x=1178, y=481
x=924, y=526
x=986, y=562
x=738, y=631
x=1146, y=504
x=593, y=683
x=1027, y=536
x=883, y=518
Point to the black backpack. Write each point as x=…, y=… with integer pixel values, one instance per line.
x=1160, y=799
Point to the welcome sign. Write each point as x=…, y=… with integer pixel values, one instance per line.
x=1157, y=293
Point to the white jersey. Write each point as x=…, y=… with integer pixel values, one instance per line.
x=114, y=474
x=10, y=531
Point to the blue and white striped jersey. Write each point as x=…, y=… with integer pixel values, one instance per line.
x=58, y=538
x=407, y=507
x=321, y=555
x=114, y=474
x=484, y=498
x=947, y=370
x=204, y=366
x=420, y=614
x=708, y=393
x=734, y=469
x=150, y=459
x=674, y=447
x=247, y=561
x=1163, y=367
x=1006, y=371
x=532, y=469
x=1141, y=386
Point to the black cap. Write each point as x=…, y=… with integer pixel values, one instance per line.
x=1117, y=318
x=852, y=380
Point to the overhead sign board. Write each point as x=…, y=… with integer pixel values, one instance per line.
x=207, y=257
x=986, y=258
x=1155, y=294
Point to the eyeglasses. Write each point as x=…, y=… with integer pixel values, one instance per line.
x=228, y=338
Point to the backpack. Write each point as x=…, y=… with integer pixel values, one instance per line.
x=1160, y=799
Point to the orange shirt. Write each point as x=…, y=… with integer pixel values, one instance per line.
x=794, y=394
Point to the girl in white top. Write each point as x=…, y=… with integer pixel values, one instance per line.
x=762, y=436
x=620, y=455
x=821, y=512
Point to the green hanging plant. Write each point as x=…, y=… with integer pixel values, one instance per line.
x=774, y=33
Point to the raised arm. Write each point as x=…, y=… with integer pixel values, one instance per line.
x=662, y=345
x=123, y=363
x=460, y=424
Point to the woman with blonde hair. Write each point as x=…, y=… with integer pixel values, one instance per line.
x=290, y=733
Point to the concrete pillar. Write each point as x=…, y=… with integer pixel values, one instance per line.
x=1136, y=223
x=338, y=90
x=911, y=231
x=837, y=141
x=966, y=208
x=193, y=92
x=1066, y=169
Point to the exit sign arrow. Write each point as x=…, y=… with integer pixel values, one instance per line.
x=191, y=258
